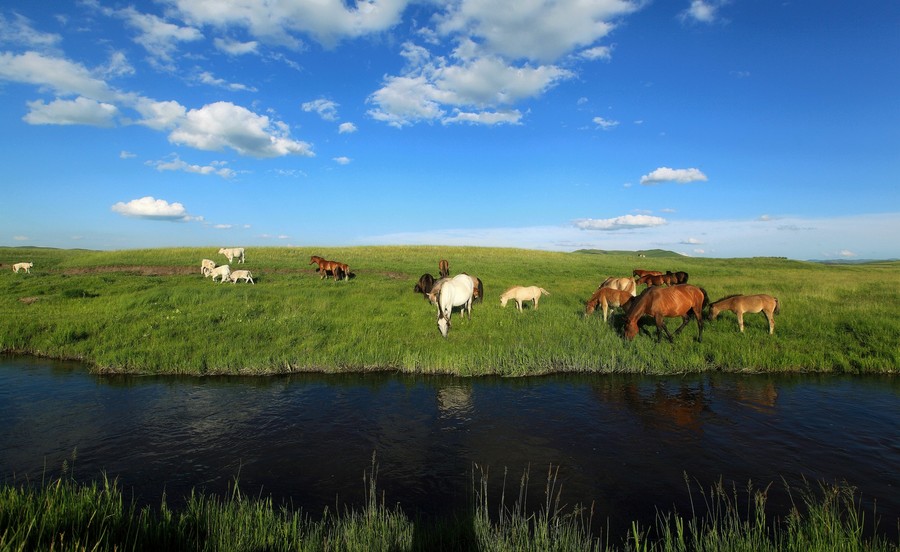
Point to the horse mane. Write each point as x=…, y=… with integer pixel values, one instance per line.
x=732, y=296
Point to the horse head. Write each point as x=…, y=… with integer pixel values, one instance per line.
x=443, y=323
x=631, y=328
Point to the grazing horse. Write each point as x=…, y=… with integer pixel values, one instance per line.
x=454, y=292
x=637, y=273
x=338, y=270
x=739, y=304
x=607, y=297
x=678, y=277
x=521, y=294
x=651, y=280
x=444, y=268
x=624, y=284
x=682, y=300
x=424, y=285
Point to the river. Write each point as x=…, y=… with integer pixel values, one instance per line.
x=623, y=443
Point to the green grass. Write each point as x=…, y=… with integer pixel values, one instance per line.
x=66, y=515
x=150, y=311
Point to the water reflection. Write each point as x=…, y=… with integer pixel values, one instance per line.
x=623, y=443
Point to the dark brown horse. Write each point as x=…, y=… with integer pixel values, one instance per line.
x=682, y=300
x=444, y=268
x=424, y=285
x=679, y=277
x=637, y=273
x=338, y=270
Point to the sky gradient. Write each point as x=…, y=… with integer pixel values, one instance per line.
x=713, y=128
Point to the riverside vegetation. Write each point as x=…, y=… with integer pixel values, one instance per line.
x=65, y=515
x=151, y=311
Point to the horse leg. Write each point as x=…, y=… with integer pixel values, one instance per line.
x=771, y=319
x=605, y=310
x=535, y=300
x=661, y=327
x=740, y=317
x=684, y=322
x=519, y=304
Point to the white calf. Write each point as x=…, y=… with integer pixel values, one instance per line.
x=223, y=272
x=233, y=253
x=242, y=275
x=25, y=266
x=206, y=267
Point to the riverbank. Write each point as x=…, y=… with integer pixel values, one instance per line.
x=65, y=515
x=151, y=311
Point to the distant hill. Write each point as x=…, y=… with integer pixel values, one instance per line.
x=649, y=253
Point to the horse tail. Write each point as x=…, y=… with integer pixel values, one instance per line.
x=777, y=306
x=480, y=290
x=705, y=298
x=544, y=291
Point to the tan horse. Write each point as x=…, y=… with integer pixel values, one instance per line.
x=444, y=268
x=607, y=297
x=624, y=284
x=521, y=294
x=682, y=300
x=739, y=304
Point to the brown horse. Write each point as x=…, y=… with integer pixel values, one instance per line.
x=637, y=273
x=739, y=304
x=682, y=300
x=444, y=268
x=424, y=285
x=607, y=297
x=338, y=270
x=651, y=280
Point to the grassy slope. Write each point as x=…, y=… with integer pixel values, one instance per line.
x=151, y=311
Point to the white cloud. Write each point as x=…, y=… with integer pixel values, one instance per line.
x=846, y=253
x=225, y=125
x=80, y=111
x=326, y=109
x=19, y=31
x=62, y=76
x=341, y=160
x=346, y=128
x=512, y=117
x=597, y=52
x=624, y=222
x=234, y=47
x=124, y=154
x=692, y=241
x=206, y=77
x=151, y=208
x=158, y=37
x=21, y=238
x=681, y=176
x=605, y=124
x=703, y=11
x=176, y=164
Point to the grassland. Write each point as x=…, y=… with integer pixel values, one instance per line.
x=151, y=311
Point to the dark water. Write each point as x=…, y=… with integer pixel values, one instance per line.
x=623, y=443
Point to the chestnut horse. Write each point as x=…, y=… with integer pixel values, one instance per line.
x=739, y=304
x=679, y=277
x=444, y=268
x=651, y=280
x=637, y=273
x=338, y=270
x=607, y=297
x=682, y=300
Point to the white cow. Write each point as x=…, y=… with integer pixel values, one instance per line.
x=223, y=272
x=206, y=267
x=242, y=275
x=233, y=253
x=21, y=266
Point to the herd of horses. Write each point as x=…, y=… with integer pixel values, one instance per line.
x=667, y=295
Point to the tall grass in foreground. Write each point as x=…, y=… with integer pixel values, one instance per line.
x=65, y=515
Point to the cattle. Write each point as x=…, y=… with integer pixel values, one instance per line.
x=242, y=275
x=232, y=253
x=223, y=272
x=206, y=267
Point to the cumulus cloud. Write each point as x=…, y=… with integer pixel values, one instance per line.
x=703, y=11
x=625, y=222
x=342, y=160
x=80, y=111
x=346, y=128
x=176, y=164
x=597, y=52
x=159, y=37
x=224, y=125
x=19, y=31
x=665, y=174
x=326, y=109
x=57, y=74
x=151, y=208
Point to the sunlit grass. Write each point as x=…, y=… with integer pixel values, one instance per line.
x=151, y=311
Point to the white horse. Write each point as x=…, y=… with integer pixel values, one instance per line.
x=455, y=292
x=521, y=294
x=624, y=284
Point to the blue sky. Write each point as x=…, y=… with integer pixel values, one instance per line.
x=714, y=128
